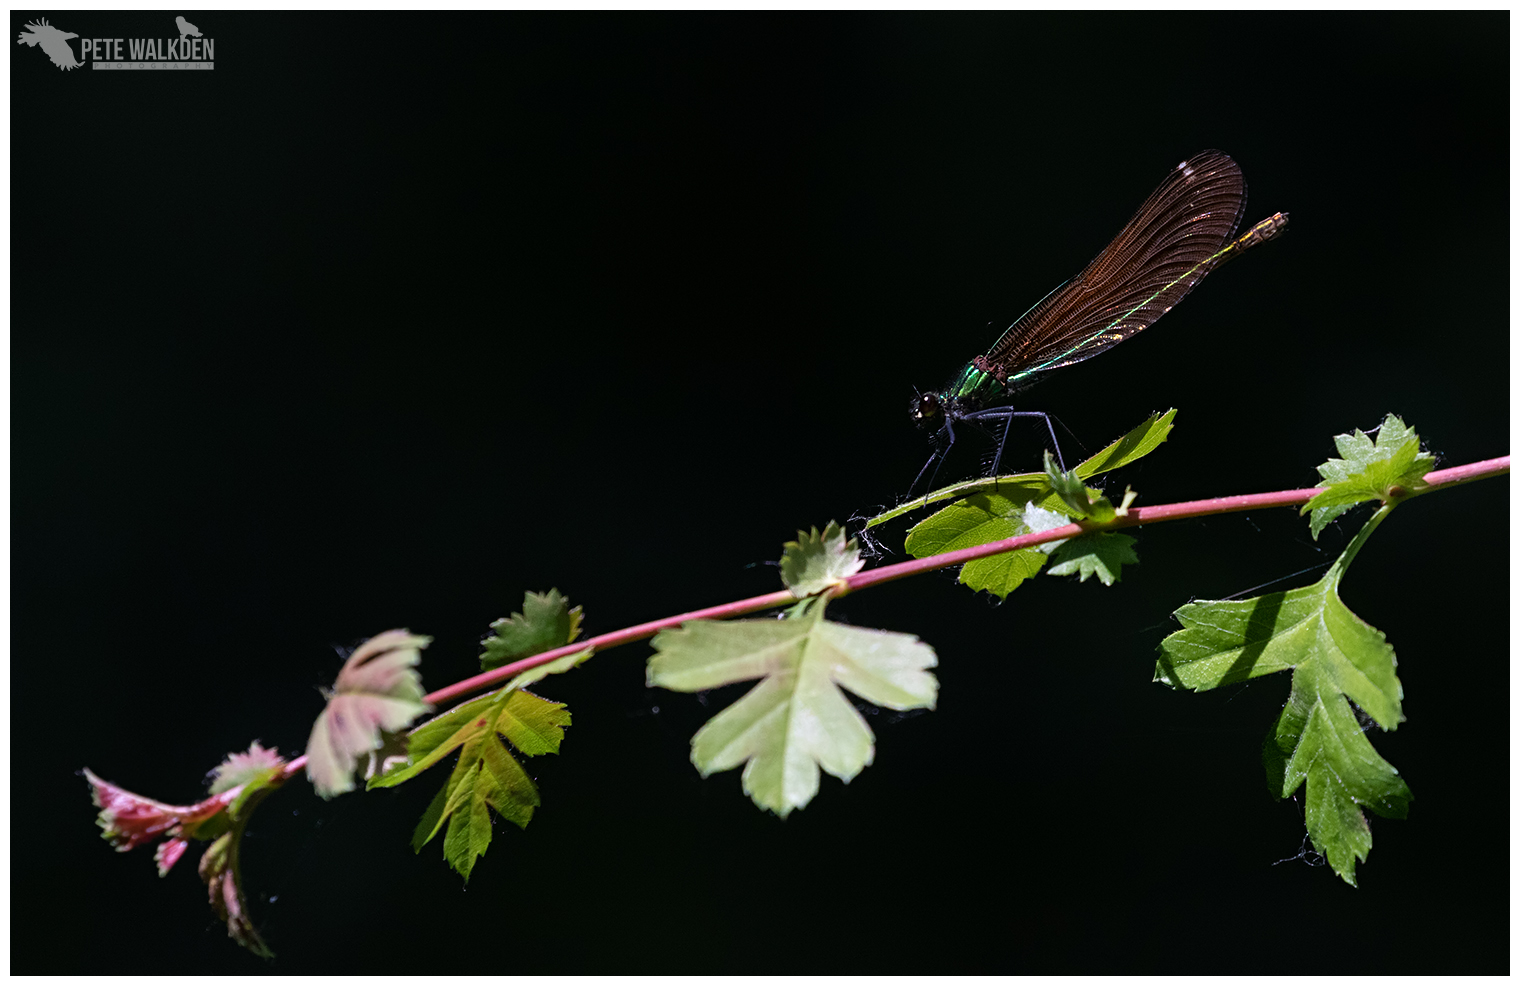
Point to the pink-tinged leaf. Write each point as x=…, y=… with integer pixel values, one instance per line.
x=219, y=869
x=378, y=691
x=168, y=853
x=240, y=783
x=130, y=820
x=240, y=768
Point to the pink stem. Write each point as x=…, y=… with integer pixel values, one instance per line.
x=768, y=601
x=1146, y=515
x=888, y=573
x=1469, y=472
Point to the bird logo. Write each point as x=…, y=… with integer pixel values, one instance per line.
x=187, y=29
x=55, y=43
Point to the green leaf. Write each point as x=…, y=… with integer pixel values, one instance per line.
x=978, y=520
x=469, y=833
x=996, y=513
x=1068, y=486
x=1318, y=740
x=1388, y=469
x=814, y=561
x=1141, y=441
x=1001, y=512
x=532, y=733
x=1099, y=553
x=988, y=484
x=486, y=774
x=532, y=723
x=1334, y=656
x=998, y=575
x=435, y=739
x=797, y=719
x=557, y=666
x=432, y=818
x=988, y=517
x=1084, y=503
x=1230, y=641
x=546, y=622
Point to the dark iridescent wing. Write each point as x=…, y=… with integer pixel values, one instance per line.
x=1156, y=259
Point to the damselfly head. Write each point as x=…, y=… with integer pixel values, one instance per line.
x=927, y=410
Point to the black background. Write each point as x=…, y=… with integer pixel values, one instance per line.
x=389, y=319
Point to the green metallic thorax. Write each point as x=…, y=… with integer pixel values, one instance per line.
x=974, y=387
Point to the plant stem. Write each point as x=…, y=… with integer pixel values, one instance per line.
x=888, y=573
x=1135, y=517
x=626, y=636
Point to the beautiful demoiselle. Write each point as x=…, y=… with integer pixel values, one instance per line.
x=1175, y=239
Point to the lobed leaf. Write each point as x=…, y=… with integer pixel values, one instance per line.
x=1385, y=469
x=1099, y=553
x=796, y=720
x=1318, y=742
x=988, y=517
x=221, y=867
x=533, y=724
x=814, y=561
x=240, y=768
x=1334, y=657
x=129, y=820
x=487, y=777
x=979, y=520
x=546, y=622
x=378, y=690
x=1235, y=640
x=486, y=774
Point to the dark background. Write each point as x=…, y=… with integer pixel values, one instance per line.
x=389, y=319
